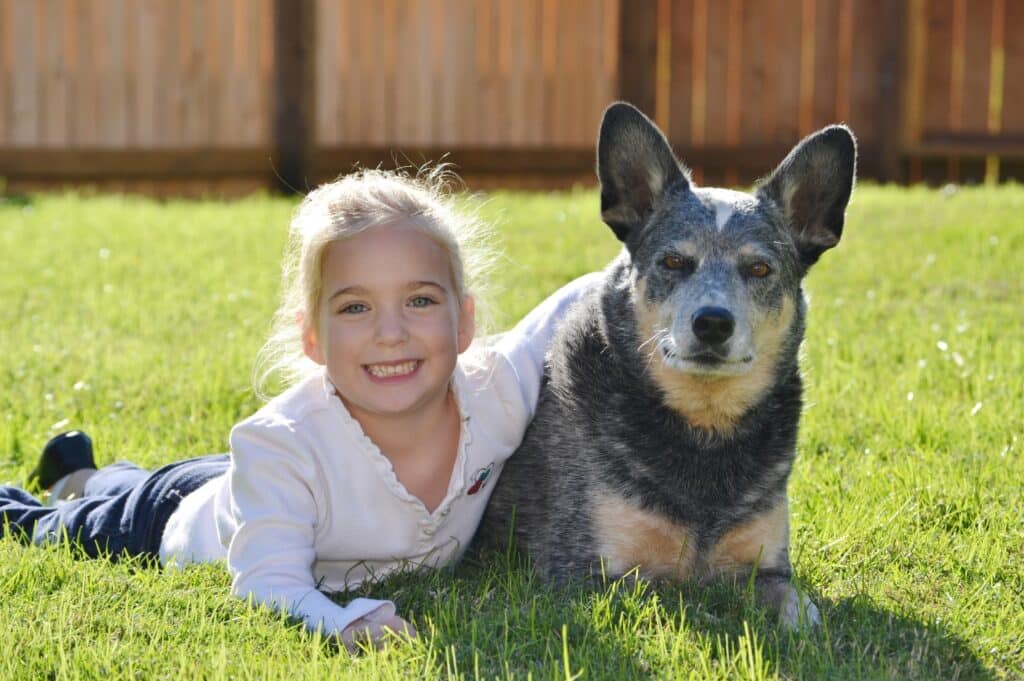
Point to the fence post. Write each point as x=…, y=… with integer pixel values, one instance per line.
x=294, y=123
x=638, y=54
x=893, y=30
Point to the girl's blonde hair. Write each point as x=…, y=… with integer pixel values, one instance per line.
x=342, y=209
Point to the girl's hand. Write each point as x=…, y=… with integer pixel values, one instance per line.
x=375, y=630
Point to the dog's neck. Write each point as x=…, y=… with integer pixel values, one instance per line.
x=714, y=405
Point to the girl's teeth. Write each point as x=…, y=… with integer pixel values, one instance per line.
x=389, y=370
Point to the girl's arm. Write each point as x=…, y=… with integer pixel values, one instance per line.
x=273, y=501
x=526, y=344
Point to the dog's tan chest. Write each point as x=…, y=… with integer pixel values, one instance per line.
x=763, y=541
x=627, y=537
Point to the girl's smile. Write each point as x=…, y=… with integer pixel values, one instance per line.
x=392, y=371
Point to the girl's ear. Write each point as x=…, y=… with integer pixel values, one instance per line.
x=310, y=342
x=467, y=323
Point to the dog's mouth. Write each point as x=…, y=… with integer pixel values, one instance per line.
x=706, y=357
x=706, y=361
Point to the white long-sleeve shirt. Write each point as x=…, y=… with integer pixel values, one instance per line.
x=310, y=501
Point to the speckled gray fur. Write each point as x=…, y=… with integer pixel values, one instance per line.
x=602, y=425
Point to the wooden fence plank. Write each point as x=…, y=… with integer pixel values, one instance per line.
x=6, y=59
x=976, y=58
x=997, y=70
x=438, y=39
x=638, y=53
x=788, y=29
x=253, y=109
x=808, y=14
x=112, y=29
x=914, y=92
x=331, y=66
x=144, y=106
x=997, y=60
x=1013, y=106
x=844, y=60
x=957, y=60
x=514, y=24
x=447, y=105
x=24, y=76
x=56, y=100
x=533, y=74
x=755, y=69
x=733, y=72
x=681, y=63
x=610, y=48
x=892, y=62
x=826, y=60
x=937, y=72
x=294, y=76
x=699, y=74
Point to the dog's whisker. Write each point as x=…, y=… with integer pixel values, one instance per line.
x=654, y=344
x=656, y=337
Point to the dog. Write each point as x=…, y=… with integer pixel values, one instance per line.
x=667, y=423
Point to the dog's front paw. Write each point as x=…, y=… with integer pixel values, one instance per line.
x=797, y=611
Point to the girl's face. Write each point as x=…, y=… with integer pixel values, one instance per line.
x=389, y=328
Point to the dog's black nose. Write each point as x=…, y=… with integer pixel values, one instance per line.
x=713, y=325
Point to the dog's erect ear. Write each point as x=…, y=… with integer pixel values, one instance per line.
x=635, y=165
x=812, y=185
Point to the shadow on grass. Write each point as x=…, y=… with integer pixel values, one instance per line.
x=486, y=619
x=857, y=640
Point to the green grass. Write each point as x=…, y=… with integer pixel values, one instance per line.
x=138, y=321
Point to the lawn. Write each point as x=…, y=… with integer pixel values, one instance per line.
x=138, y=321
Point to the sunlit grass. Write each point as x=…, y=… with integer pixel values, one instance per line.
x=138, y=322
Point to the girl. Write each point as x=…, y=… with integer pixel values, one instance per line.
x=382, y=452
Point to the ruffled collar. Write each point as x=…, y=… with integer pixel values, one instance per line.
x=369, y=448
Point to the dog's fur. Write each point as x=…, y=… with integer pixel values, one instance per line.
x=667, y=425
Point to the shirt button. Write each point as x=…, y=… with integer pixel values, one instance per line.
x=429, y=531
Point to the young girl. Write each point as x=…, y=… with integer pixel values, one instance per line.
x=380, y=455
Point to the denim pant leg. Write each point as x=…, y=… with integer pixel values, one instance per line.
x=87, y=519
x=114, y=479
x=129, y=522
x=19, y=512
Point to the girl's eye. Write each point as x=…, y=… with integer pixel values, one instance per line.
x=678, y=263
x=421, y=301
x=759, y=270
x=353, y=308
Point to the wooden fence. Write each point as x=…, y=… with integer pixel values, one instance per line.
x=226, y=95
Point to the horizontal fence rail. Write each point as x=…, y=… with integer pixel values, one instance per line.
x=187, y=96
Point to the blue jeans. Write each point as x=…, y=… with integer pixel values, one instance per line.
x=123, y=512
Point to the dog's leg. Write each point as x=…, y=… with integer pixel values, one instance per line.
x=795, y=610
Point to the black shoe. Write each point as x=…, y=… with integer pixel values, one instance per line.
x=63, y=455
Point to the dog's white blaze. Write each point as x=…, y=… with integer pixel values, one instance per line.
x=722, y=214
x=725, y=202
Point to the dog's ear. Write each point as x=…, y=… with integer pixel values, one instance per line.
x=635, y=165
x=812, y=185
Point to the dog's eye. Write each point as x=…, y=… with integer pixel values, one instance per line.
x=678, y=263
x=759, y=270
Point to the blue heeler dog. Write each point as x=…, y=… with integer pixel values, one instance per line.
x=667, y=425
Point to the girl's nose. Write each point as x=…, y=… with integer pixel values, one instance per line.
x=391, y=328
